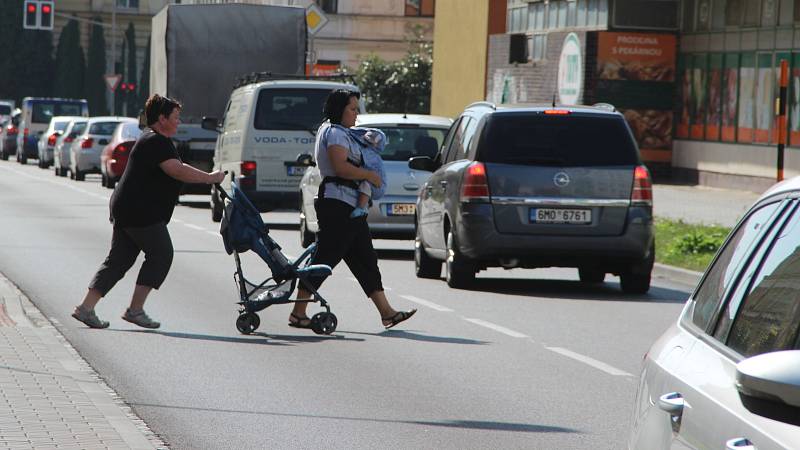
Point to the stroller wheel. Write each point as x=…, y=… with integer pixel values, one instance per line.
x=247, y=322
x=324, y=323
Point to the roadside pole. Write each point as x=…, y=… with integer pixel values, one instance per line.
x=113, y=51
x=782, y=116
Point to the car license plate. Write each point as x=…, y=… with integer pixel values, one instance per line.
x=402, y=209
x=294, y=171
x=556, y=215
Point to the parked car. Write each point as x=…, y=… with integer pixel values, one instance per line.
x=8, y=136
x=84, y=156
x=536, y=186
x=392, y=216
x=35, y=117
x=114, y=156
x=47, y=142
x=63, y=147
x=726, y=374
x=6, y=109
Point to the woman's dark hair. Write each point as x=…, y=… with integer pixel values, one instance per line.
x=336, y=102
x=157, y=105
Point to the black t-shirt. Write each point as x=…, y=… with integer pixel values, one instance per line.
x=145, y=195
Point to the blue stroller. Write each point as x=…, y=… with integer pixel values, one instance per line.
x=242, y=229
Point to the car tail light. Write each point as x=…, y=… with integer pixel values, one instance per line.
x=556, y=112
x=248, y=168
x=69, y=139
x=121, y=149
x=475, y=187
x=87, y=142
x=12, y=129
x=51, y=141
x=642, y=187
x=25, y=132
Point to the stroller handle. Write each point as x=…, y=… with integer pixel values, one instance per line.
x=221, y=191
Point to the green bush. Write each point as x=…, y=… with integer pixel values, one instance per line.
x=696, y=242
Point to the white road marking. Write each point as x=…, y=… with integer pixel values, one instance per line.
x=498, y=328
x=426, y=303
x=590, y=361
x=194, y=227
x=213, y=233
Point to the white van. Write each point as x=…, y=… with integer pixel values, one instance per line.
x=35, y=118
x=266, y=126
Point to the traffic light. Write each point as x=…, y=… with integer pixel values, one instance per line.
x=46, y=15
x=30, y=17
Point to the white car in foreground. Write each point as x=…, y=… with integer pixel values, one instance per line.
x=726, y=375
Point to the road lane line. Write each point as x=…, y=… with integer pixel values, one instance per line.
x=194, y=227
x=589, y=361
x=213, y=233
x=498, y=328
x=426, y=303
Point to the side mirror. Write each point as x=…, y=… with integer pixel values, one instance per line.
x=422, y=163
x=305, y=159
x=210, y=123
x=769, y=385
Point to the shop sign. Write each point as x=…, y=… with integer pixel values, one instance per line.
x=570, y=71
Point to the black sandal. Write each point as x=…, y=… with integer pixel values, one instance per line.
x=299, y=321
x=399, y=317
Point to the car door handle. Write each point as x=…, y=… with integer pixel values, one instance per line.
x=672, y=403
x=739, y=444
x=443, y=184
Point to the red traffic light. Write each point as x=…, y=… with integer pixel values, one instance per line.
x=32, y=8
x=45, y=9
x=123, y=86
x=131, y=87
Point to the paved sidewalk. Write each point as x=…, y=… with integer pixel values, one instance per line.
x=701, y=204
x=50, y=398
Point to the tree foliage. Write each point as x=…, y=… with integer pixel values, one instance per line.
x=95, y=86
x=144, y=80
x=26, y=67
x=398, y=86
x=70, y=63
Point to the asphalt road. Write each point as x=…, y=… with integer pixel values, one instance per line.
x=527, y=359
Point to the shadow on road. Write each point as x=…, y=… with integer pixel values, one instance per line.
x=396, y=254
x=456, y=423
x=271, y=339
x=574, y=290
x=401, y=334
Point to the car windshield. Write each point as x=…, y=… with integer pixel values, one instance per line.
x=5, y=109
x=563, y=141
x=103, y=128
x=403, y=142
x=290, y=109
x=78, y=128
x=44, y=111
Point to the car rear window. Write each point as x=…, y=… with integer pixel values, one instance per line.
x=406, y=142
x=42, y=112
x=290, y=109
x=130, y=131
x=60, y=126
x=565, y=141
x=5, y=109
x=103, y=128
x=78, y=128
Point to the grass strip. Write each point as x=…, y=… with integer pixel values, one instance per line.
x=685, y=245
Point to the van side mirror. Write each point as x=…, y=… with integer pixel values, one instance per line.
x=305, y=159
x=769, y=385
x=422, y=163
x=210, y=123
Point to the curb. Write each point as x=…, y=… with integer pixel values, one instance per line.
x=677, y=274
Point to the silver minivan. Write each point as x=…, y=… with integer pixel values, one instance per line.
x=85, y=151
x=726, y=374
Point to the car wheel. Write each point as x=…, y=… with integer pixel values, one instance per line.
x=3, y=155
x=216, y=206
x=591, y=275
x=424, y=265
x=636, y=278
x=62, y=172
x=459, y=271
x=306, y=237
x=110, y=182
x=103, y=179
x=79, y=175
x=23, y=159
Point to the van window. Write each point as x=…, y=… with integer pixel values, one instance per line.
x=290, y=109
x=407, y=142
x=42, y=112
x=564, y=141
x=103, y=128
x=5, y=109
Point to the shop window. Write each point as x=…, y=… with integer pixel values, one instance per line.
x=685, y=87
x=699, y=96
x=794, y=101
x=536, y=48
x=730, y=95
x=752, y=13
x=765, y=101
x=714, y=110
x=733, y=12
x=423, y=8
x=747, y=95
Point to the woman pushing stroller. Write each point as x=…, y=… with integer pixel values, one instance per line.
x=344, y=235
